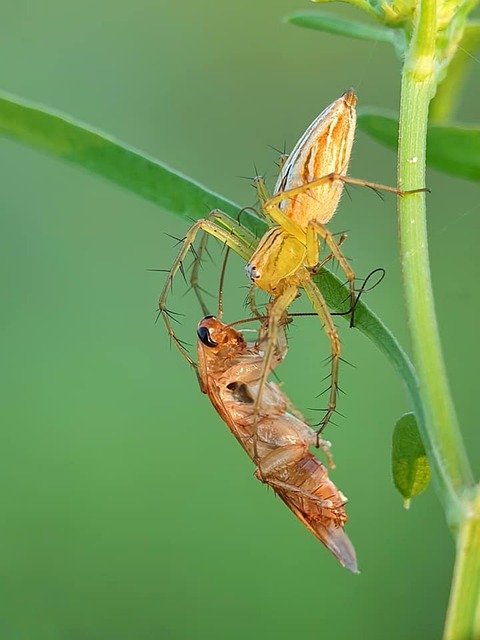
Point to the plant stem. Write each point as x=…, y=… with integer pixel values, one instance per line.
x=442, y=438
x=463, y=617
x=441, y=435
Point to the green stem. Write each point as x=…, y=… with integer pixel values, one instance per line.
x=420, y=58
x=449, y=460
x=463, y=617
x=441, y=431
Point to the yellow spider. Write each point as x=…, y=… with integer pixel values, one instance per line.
x=305, y=197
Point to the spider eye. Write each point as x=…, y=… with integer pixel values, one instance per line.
x=204, y=335
x=252, y=272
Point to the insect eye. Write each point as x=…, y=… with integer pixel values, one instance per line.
x=204, y=335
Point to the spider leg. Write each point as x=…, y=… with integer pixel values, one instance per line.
x=320, y=229
x=224, y=229
x=332, y=177
x=320, y=306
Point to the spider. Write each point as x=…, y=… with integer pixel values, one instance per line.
x=284, y=260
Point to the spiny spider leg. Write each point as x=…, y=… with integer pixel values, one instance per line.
x=197, y=263
x=330, y=256
x=320, y=306
x=332, y=177
x=221, y=227
x=276, y=315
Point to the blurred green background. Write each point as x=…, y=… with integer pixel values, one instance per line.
x=128, y=510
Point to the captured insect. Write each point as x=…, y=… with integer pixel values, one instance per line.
x=274, y=436
x=286, y=259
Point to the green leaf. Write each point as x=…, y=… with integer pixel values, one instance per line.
x=410, y=467
x=99, y=153
x=453, y=149
x=340, y=26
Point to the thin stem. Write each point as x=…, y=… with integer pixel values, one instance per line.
x=463, y=616
x=442, y=438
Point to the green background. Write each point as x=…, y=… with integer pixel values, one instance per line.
x=128, y=510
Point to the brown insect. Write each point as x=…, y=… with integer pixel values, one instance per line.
x=273, y=434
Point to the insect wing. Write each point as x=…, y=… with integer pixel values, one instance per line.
x=330, y=533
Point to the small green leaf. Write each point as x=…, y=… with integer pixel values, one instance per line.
x=340, y=26
x=453, y=149
x=410, y=467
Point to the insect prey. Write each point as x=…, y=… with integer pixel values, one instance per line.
x=274, y=436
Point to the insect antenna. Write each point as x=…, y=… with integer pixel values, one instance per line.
x=363, y=289
x=359, y=292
